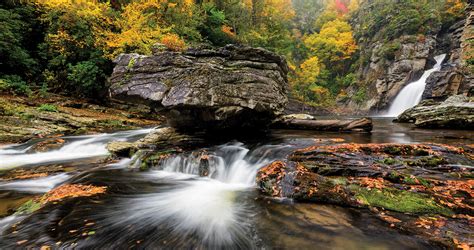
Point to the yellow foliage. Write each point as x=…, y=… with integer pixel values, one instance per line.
x=455, y=7
x=139, y=26
x=280, y=10
x=73, y=12
x=173, y=42
x=309, y=70
x=334, y=42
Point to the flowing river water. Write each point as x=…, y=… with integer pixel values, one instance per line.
x=171, y=206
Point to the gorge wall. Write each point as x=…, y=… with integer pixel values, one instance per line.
x=386, y=66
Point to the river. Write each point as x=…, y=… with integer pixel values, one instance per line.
x=171, y=206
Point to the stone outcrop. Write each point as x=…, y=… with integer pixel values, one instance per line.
x=457, y=112
x=402, y=184
x=228, y=87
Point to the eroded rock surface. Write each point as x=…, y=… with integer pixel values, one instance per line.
x=229, y=87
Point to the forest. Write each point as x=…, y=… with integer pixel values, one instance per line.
x=67, y=47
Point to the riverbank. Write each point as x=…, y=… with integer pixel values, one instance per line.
x=25, y=118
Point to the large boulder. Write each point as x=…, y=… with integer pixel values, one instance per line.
x=456, y=112
x=229, y=87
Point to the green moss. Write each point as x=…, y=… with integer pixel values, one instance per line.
x=392, y=150
x=339, y=180
x=429, y=161
x=400, y=201
x=28, y=207
x=131, y=63
x=48, y=108
x=389, y=161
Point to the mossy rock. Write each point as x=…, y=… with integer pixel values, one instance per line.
x=28, y=207
x=399, y=200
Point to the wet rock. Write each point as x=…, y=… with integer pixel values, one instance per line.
x=121, y=148
x=421, y=189
x=47, y=145
x=160, y=138
x=456, y=112
x=229, y=87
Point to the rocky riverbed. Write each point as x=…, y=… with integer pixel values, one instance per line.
x=24, y=118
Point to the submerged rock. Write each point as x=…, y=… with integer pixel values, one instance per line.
x=229, y=87
x=457, y=112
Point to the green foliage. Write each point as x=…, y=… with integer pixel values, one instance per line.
x=14, y=84
x=211, y=28
x=360, y=96
x=389, y=50
x=86, y=77
x=48, y=107
x=17, y=28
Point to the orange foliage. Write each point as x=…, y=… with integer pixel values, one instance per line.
x=228, y=30
x=173, y=42
x=71, y=191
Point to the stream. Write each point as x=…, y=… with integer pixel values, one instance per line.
x=171, y=206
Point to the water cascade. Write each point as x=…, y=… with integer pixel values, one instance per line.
x=412, y=93
x=77, y=147
x=209, y=209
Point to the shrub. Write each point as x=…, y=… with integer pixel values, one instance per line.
x=86, y=77
x=173, y=42
x=14, y=84
x=360, y=96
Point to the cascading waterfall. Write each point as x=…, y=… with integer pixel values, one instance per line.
x=208, y=208
x=412, y=93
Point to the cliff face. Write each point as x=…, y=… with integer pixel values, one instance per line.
x=456, y=76
x=388, y=66
x=387, y=72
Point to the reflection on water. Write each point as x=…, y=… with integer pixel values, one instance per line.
x=328, y=227
x=172, y=206
x=385, y=131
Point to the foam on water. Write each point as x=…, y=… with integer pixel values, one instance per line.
x=38, y=185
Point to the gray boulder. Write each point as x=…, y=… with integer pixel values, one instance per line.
x=229, y=87
x=457, y=112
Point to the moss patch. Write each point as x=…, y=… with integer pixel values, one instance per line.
x=28, y=207
x=398, y=200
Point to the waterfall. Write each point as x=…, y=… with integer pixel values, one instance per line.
x=411, y=94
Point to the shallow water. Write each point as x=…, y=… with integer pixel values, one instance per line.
x=171, y=206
